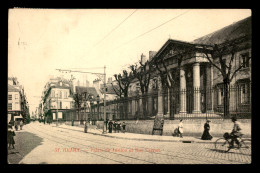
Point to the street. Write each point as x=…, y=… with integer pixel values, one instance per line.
x=46, y=144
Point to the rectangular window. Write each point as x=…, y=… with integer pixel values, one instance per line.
x=52, y=93
x=9, y=97
x=60, y=94
x=71, y=104
x=16, y=105
x=220, y=95
x=9, y=106
x=16, y=96
x=65, y=95
x=244, y=60
x=244, y=93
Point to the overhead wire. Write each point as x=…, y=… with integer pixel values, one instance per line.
x=112, y=30
x=152, y=29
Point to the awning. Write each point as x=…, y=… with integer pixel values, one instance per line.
x=20, y=116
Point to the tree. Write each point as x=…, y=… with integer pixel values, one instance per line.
x=143, y=74
x=78, y=100
x=222, y=56
x=123, y=81
x=168, y=77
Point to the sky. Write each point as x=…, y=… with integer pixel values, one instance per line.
x=43, y=40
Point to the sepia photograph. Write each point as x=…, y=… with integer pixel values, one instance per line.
x=129, y=86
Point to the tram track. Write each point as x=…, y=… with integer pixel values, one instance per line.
x=176, y=154
x=93, y=153
x=189, y=156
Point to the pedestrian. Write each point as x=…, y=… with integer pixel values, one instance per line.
x=110, y=126
x=11, y=123
x=86, y=127
x=21, y=125
x=180, y=128
x=10, y=137
x=206, y=135
x=118, y=127
x=123, y=125
x=175, y=132
x=16, y=125
x=106, y=123
x=114, y=125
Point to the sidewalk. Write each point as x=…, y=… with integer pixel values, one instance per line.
x=139, y=137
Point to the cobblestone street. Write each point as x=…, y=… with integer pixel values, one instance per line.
x=47, y=144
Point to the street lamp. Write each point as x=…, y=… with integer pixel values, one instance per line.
x=100, y=75
x=85, y=100
x=91, y=105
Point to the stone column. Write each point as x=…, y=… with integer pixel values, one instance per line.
x=211, y=91
x=182, y=91
x=168, y=108
x=140, y=107
x=160, y=97
x=196, y=88
x=133, y=107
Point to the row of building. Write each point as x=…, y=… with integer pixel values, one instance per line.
x=18, y=107
x=198, y=89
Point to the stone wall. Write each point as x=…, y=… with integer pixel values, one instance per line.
x=191, y=127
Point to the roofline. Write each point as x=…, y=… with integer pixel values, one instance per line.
x=171, y=41
x=212, y=33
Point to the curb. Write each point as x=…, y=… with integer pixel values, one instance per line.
x=142, y=139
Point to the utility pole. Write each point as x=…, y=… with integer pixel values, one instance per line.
x=105, y=88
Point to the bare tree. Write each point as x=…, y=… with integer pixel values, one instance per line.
x=143, y=74
x=123, y=81
x=222, y=56
x=78, y=100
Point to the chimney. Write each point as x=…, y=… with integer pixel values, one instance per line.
x=109, y=81
x=152, y=54
x=96, y=84
x=143, y=58
x=87, y=83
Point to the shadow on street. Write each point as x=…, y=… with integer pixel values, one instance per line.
x=25, y=142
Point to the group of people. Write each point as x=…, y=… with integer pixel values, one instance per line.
x=234, y=135
x=16, y=124
x=116, y=125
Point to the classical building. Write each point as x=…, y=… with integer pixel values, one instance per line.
x=198, y=85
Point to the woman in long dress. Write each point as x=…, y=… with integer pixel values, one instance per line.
x=180, y=128
x=206, y=135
